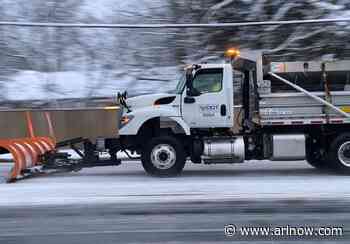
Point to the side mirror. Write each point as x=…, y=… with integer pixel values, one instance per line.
x=189, y=100
x=189, y=77
x=192, y=92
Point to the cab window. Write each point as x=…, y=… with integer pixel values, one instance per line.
x=208, y=80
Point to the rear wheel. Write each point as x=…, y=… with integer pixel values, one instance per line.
x=339, y=155
x=163, y=156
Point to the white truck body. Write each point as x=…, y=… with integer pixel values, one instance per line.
x=226, y=113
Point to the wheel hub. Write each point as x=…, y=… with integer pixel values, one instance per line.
x=163, y=156
x=347, y=153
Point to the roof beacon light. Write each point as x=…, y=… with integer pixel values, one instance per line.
x=232, y=53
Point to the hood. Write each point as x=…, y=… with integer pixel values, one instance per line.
x=149, y=100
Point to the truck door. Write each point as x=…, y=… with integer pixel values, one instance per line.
x=211, y=108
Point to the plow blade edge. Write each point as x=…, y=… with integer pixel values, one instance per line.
x=25, y=153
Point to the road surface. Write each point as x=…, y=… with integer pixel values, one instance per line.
x=123, y=205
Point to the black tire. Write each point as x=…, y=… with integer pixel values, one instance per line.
x=339, y=154
x=158, y=156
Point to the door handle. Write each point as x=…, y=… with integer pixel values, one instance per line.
x=223, y=110
x=189, y=100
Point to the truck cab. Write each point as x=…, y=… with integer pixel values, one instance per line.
x=202, y=105
x=203, y=98
x=207, y=98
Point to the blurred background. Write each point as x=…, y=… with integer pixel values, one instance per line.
x=65, y=63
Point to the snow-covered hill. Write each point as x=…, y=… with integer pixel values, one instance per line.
x=61, y=63
x=28, y=85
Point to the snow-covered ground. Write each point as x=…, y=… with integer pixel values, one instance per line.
x=128, y=183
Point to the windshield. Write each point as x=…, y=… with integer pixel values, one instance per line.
x=180, y=85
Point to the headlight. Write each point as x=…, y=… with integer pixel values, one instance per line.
x=125, y=120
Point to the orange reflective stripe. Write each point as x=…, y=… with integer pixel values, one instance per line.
x=49, y=141
x=16, y=170
x=19, y=159
x=35, y=150
x=20, y=153
x=17, y=156
x=42, y=149
x=26, y=153
x=32, y=151
x=44, y=145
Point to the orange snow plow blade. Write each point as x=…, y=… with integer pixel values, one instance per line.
x=26, y=151
x=29, y=136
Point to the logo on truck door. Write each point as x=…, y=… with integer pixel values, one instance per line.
x=208, y=110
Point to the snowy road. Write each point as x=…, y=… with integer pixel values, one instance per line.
x=199, y=222
x=123, y=205
x=128, y=183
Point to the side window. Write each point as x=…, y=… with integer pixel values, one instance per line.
x=208, y=80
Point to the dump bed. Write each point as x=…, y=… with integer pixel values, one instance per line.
x=298, y=108
x=280, y=103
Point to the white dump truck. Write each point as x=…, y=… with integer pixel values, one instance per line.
x=245, y=109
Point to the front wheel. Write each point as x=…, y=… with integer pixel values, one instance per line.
x=163, y=156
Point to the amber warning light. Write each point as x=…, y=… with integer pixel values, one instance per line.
x=232, y=53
